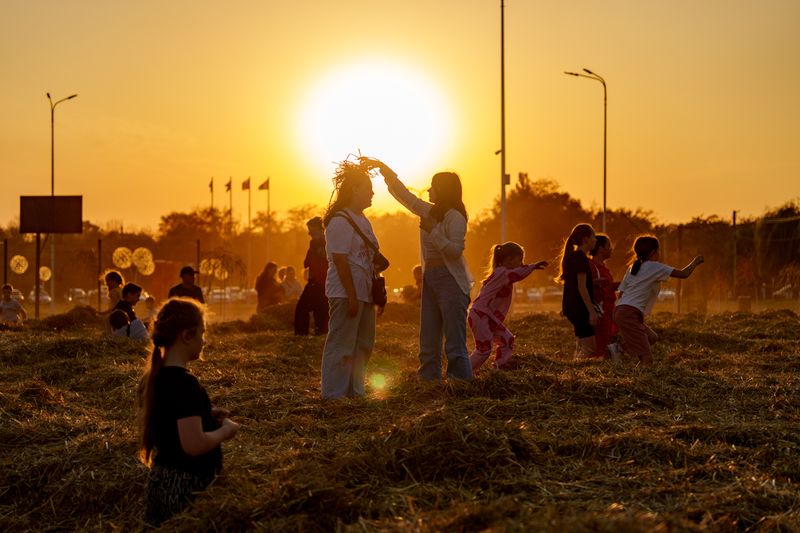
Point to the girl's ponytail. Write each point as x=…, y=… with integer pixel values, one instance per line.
x=643, y=248
x=174, y=317
x=576, y=236
x=499, y=254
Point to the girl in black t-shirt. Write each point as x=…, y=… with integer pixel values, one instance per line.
x=181, y=432
x=576, y=275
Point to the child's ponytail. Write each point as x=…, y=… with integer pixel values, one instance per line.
x=500, y=252
x=643, y=248
x=174, y=317
x=576, y=236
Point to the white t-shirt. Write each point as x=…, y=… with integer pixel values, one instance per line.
x=341, y=238
x=10, y=311
x=641, y=290
x=138, y=331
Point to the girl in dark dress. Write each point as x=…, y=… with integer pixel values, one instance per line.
x=576, y=275
x=180, y=431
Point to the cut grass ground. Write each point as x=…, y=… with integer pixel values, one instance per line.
x=706, y=439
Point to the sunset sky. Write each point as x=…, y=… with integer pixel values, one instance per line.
x=703, y=106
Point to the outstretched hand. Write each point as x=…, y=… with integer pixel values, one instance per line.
x=385, y=171
x=539, y=265
x=219, y=414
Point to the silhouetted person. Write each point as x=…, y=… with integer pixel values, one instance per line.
x=11, y=311
x=291, y=287
x=268, y=287
x=413, y=293
x=187, y=287
x=313, y=299
x=121, y=326
x=130, y=297
x=577, y=302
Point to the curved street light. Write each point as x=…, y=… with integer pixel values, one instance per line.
x=52, y=193
x=593, y=76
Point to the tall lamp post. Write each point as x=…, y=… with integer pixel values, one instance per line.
x=52, y=193
x=592, y=76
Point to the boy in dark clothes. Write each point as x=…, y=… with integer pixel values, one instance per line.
x=130, y=297
x=313, y=299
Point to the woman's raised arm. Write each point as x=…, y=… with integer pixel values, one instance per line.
x=418, y=206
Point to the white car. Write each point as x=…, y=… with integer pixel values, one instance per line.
x=666, y=295
x=44, y=298
x=534, y=295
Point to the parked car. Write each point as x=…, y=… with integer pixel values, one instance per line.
x=666, y=295
x=17, y=295
x=534, y=294
x=76, y=295
x=44, y=298
x=552, y=294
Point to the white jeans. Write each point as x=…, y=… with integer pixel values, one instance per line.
x=347, y=349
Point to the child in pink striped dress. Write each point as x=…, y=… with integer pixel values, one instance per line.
x=489, y=309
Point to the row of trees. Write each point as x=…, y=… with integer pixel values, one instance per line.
x=757, y=258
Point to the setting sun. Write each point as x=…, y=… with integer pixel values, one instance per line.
x=383, y=110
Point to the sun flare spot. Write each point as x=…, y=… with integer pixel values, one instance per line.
x=378, y=381
x=384, y=110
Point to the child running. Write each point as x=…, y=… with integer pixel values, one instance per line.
x=604, y=293
x=180, y=431
x=638, y=293
x=577, y=303
x=489, y=309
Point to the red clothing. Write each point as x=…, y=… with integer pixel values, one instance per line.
x=316, y=262
x=604, y=294
x=498, y=290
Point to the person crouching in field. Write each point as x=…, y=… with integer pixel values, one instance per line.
x=577, y=303
x=11, y=311
x=604, y=293
x=350, y=246
x=489, y=309
x=638, y=293
x=121, y=326
x=180, y=431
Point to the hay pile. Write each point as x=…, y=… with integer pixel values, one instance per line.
x=708, y=438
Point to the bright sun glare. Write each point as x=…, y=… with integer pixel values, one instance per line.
x=385, y=111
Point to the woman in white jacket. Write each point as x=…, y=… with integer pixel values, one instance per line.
x=446, y=280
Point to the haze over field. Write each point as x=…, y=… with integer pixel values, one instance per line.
x=702, y=100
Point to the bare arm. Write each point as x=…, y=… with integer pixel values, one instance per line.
x=195, y=441
x=686, y=271
x=397, y=189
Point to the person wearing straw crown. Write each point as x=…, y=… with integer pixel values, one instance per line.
x=351, y=248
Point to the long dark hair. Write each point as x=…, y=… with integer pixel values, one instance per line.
x=174, y=317
x=448, y=195
x=349, y=175
x=643, y=248
x=576, y=236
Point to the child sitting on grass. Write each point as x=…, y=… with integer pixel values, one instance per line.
x=180, y=431
x=11, y=311
x=122, y=327
x=489, y=309
x=637, y=296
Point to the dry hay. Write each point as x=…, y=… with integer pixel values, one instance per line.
x=706, y=439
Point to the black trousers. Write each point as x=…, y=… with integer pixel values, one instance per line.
x=313, y=300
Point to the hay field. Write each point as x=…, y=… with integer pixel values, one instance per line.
x=709, y=438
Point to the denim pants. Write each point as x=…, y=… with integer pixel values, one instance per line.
x=347, y=349
x=443, y=315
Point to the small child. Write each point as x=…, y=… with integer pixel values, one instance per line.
x=131, y=293
x=114, y=282
x=11, y=311
x=577, y=303
x=122, y=327
x=150, y=311
x=291, y=287
x=638, y=293
x=605, y=293
x=489, y=309
x=181, y=432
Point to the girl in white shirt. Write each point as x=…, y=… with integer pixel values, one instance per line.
x=638, y=293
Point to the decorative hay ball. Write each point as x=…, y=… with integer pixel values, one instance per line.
x=18, y=264
x=122, y=257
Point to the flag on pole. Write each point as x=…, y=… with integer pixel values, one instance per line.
x=228, y=185
x=264, y=186
x=211, y=185
x=246, y=184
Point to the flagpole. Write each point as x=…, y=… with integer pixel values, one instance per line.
x=211, y=189
x=249, y=233
x=230, y=207
x=269, y=217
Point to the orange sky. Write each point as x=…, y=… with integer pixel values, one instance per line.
x=703, y=100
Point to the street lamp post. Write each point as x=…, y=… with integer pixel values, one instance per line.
x=592, y=76
x=52, y=193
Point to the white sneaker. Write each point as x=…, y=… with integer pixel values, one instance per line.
x=615, y=351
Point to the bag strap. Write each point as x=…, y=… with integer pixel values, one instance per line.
x=358, y=230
